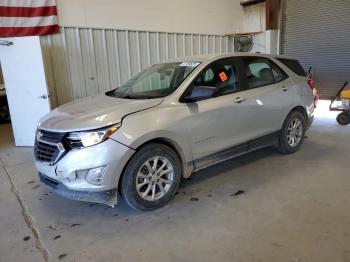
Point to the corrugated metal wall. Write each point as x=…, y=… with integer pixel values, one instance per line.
x=317, y=32
x=82, y=61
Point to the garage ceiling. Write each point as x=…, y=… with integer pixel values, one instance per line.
x=317, y=32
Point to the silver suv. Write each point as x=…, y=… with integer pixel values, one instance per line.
x=169, y=121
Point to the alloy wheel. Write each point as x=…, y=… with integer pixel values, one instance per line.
x=294, y=132
x=154, y=178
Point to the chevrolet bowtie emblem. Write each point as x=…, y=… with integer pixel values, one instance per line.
x=39, y=135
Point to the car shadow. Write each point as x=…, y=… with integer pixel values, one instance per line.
x=227, y=166
x=236, y=172
x=224, y=184
x=197, y=178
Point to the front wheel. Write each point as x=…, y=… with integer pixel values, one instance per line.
x=151, y=177
x=292, y=133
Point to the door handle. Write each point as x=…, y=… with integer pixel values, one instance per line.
x=43, y=96
x=239, y=100
x=284, y=88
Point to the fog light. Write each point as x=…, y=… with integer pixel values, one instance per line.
x=94, y=176
x=72, y=176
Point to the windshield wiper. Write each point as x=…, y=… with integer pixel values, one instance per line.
x=126, y=96
x=113, y=93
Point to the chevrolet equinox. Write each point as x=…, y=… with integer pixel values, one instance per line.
x=168, y=121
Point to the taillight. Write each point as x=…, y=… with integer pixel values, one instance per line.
x=311, y=83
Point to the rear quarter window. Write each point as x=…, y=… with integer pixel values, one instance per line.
x=261, y=71
x=293, y=65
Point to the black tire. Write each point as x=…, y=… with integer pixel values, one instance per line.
x=343, y=118
x=284, y=145
x=130, y=177
x=4, y=114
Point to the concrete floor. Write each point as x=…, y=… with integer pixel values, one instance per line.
x=294, y=208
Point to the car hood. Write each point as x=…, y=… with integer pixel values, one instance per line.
x=93, y=112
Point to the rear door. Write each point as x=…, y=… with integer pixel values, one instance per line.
x=269, y=95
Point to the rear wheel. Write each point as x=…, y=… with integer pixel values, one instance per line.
x=343, y=118
x=151, y=177
x=292, y=133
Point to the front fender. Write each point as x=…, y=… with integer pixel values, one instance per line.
x=181, y=146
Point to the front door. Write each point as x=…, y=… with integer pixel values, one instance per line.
x=217, y=122
x=25, y=83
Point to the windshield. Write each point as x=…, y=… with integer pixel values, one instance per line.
x=156, y=81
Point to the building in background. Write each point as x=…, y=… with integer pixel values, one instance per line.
x=101, y=46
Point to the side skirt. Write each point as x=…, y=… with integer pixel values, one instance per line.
x=238, y=150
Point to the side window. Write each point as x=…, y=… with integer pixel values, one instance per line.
x=209, y=75
x=278, y=73
x=219, y=79
x=293, y=65
x=261, y=72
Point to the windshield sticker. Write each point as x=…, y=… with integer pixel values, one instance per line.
x=223, y=76
x=189, y=64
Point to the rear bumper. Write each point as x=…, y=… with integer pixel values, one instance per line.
x=108, y=197
x=310, y=121
x=310, y=111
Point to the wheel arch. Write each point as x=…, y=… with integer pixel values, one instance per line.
x=300, y=109
x=186, y=167
x=186, y=170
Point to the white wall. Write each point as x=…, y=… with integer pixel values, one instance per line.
x=253, y=18
x=182, y=16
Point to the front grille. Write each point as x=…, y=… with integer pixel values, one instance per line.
x=48, y=146
x=45, y=152
x=52, y=137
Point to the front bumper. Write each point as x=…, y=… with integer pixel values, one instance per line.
x=68, y=175
x=108, y=197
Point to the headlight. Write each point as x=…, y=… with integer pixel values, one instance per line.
x=90, y=138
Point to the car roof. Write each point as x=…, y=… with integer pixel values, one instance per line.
x=213, y=57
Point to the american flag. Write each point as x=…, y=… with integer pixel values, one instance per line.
x=28, y=18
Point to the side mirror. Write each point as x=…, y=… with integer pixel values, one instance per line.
x=200, y=93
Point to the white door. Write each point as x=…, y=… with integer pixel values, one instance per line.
x=25, y=83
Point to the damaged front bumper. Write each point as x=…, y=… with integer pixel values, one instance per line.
x=108, y=197
x=73, y=175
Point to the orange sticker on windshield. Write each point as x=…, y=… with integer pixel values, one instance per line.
x=223, y=76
